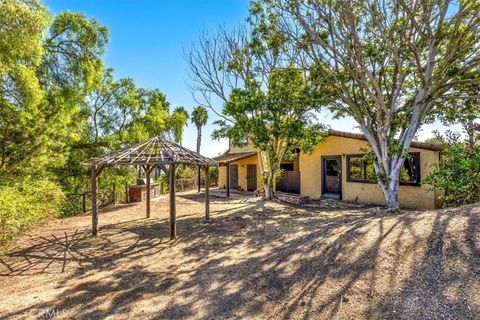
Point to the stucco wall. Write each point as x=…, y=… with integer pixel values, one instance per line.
x=311, y=175
x=242, y=172
x=234, y=149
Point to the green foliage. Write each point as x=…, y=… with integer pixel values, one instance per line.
x=267, y=96
x=389, y=63
x=59, y=106
x=462, y=106
x=458, y=172
x=24, y=203
x=178, y=121
x=44, y=76
x=279, y=121
x=213, y=172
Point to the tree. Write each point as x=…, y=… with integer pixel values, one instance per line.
x=43, y=76
x=156, y=119
x=462, y=106
x=458, y=172
x=21, y=95
x=178, y=121
x=280, y=122
x=388, y=61
x=199, y=118
x=265, y=97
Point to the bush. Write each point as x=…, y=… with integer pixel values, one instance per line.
x=25, y=203
x=213, y=172
x=458, y=172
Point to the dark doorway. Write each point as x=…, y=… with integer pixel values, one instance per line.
x=251, y=177
x=234, y=176
x=290, y=182
x=332, y=176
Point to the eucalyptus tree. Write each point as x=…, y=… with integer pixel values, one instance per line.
x=199, y=119
x=110, y=105
x=388, y=61
x=265, y=97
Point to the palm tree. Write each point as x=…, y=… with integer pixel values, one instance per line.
x=199, y=118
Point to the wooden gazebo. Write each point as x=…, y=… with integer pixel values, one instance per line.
x=156, y=152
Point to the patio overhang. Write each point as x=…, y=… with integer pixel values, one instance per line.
x=228, y=158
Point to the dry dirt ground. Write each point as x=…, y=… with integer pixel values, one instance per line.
x=254, y=260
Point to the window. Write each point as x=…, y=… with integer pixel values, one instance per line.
x=286, y=166
x=410, y=173
x=243, y=140
x=359, y=170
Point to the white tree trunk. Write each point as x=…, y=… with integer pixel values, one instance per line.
x=389, y=167
x=269, y=168
x=268, y=185
x=390, y=190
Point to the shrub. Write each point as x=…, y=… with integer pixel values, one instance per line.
x=458, y=172
x=24, y=203
x=213, y=172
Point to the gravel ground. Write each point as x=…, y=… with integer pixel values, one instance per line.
x=254, y=260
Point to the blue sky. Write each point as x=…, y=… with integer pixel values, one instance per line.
x=147, y=41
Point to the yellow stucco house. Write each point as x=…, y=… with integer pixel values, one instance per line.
x=335, y=169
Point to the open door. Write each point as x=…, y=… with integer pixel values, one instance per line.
x=332, y=176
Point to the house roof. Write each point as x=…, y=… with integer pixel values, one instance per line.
x=359, y=136
x=156, y=151
x=227, y=158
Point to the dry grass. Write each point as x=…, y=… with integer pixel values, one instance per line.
x=254, y=260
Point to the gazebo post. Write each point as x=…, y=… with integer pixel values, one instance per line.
x=147, y=175
x=94, y=200
x=148, y=155
x=198, y=178
x=207, y=194
x=228, y=179
x=173, y=229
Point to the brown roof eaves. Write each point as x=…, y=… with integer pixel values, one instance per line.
x=227, y=158
x=359, y=136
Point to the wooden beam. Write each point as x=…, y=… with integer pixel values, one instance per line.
x=84, y=202
x=227, y=167
x=147, y=175
x=114, y=194
x=199, y=179
x=94, y=201
x=163, y=168
x=207, y=194
x=173, y=229
x=126, y=192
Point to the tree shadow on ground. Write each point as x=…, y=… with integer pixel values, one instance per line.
x=446, y=280
x=264, y=259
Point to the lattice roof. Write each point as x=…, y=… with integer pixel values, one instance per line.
x=156, y=151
